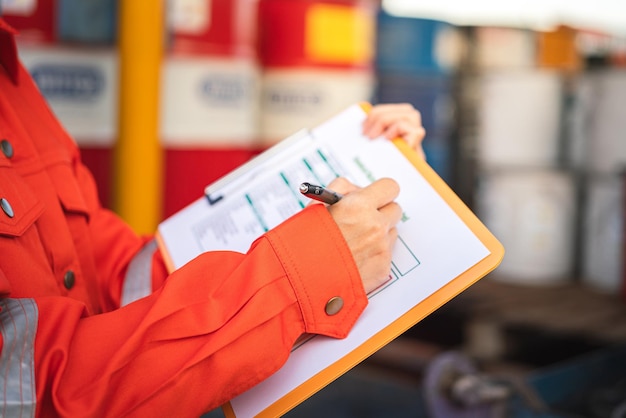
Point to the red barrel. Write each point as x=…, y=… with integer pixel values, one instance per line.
x=34, y=19
x=327, y=33
x=209, y=95
x=317, y=59
x=224, y=28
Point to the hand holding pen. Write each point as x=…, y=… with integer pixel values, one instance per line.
x=367, y=218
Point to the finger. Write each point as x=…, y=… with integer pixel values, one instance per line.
x=390, y=108
x=412, y=134
x=381, y=192
x=342, y=185
x=413, y=138
x=392, y=213
x=393, y=237
x=381, y=116
x=403, y=124
x=372, y=126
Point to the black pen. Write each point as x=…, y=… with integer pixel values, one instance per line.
x=320, y=193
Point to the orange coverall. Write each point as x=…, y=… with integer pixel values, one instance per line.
x=92, y=325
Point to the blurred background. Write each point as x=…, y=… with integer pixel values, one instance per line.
x=524, y=104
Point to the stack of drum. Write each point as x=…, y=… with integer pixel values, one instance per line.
x=417, y=62
x=599, y=122
x=209, y=95
x=526, y=192
x=242, y=75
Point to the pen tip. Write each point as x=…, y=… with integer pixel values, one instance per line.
x=304, y=187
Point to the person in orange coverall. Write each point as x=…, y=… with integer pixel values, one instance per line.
x=92, y=325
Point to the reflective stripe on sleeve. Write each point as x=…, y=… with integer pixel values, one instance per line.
x=138, y=280
x=18, y=325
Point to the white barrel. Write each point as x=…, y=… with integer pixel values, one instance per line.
x=498, y=48
x=295, y=98
x=209, y=101
x=532, y=212
x=519, y=118
x=606, y=140
x=603, y=233
x=80, y=85
x=578, y=122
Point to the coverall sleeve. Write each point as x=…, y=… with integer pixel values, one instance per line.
x=218, y=326
x=115, y=245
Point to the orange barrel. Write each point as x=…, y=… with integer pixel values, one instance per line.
x=209, y=95
x=81, y=85
x=34, y=19
x=558, y=49
x=317, y=58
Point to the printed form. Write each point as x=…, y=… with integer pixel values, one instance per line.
x=434, y=245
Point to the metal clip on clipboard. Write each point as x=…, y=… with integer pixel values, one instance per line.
x=216, y=191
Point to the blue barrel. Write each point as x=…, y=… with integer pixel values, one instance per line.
x=407, y=45
x=434, y=96
x=89, y=22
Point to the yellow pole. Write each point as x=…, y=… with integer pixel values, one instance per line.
x=138, y=155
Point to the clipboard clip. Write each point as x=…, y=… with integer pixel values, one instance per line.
x=213, y=199
x=241, y=176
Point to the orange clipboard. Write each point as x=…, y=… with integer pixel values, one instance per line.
x=414, y=315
